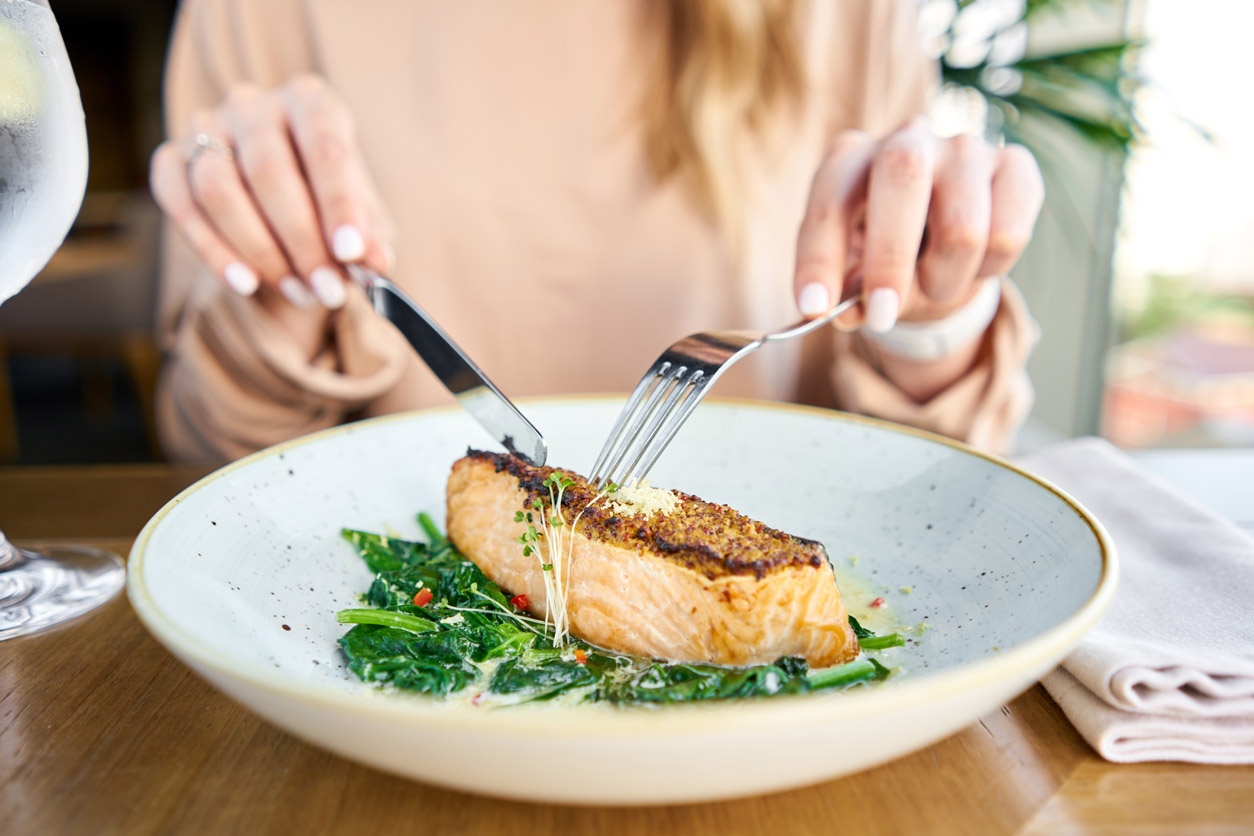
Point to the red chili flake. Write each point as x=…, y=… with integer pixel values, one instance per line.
x=520, y=601
x=581, y=657
x=423, y=597
x=477, y=698
x=878, y=602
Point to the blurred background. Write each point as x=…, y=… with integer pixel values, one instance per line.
x=1141, y=273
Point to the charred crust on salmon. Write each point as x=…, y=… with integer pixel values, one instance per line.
x=714, y=540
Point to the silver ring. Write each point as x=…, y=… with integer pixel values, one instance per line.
x=203, y=143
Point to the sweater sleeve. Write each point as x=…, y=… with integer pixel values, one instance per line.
x=984, y=407
x=233, y=380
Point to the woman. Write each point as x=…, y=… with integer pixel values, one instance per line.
x=611, y=175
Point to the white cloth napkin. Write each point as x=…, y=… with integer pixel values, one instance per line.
x=1168, y=673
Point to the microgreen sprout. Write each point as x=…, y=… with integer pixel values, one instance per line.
x=555, y=556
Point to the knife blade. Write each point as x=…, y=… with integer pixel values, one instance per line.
x=459, y=374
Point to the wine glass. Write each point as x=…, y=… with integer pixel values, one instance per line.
x=43, y=173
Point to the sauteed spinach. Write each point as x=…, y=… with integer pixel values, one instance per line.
x=438, y=626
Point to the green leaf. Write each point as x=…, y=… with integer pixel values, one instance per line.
x=386, y=618
x=672, y=683
x=858, y=630
x=882, y=642
x=434, y=536
x=1087, y=90
x=851, y=673
x=384, y=554
x=793, y=665
x=541, y=681
x=401, y=658
x=868, y=640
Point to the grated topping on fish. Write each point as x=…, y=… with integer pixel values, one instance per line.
x=640, y=498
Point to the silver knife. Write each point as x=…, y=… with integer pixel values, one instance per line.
x=456, y=371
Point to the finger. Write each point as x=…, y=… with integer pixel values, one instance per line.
x=268, y=164
x=958, y=219
x=381, y=258
x=322, y=130
x=898, y=193
x=170, y=190
x=218, y=191
x=1018, y=192
x=823, y=239
x=853, y=318
x=380, y=255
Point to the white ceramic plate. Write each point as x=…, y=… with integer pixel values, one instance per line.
x=241, y=574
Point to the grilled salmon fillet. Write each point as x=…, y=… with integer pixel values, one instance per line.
x=700, y=584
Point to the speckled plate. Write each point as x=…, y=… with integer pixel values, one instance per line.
x=241, y=574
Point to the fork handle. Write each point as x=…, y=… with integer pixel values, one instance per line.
x=805, y=326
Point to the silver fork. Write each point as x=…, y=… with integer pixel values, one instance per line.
x=673, y=386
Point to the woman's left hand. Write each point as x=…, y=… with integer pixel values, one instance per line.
x=918, y=218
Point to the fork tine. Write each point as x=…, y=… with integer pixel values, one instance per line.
x=663, y=439
x=664, y=398
x=657, y=385
x=649, y=380
x=657, y=397
x=684, y=385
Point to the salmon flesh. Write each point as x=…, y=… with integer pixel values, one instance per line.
x=703, y=583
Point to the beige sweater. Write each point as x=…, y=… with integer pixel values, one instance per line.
x=501, y=138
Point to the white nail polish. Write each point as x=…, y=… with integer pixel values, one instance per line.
x=242, y=280
x=294, y=290
x=347, y=243
x=328, y=287
x=814, y=299
x=882, y=307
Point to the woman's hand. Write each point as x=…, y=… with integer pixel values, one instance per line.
x=919, y=219
x=271, y=191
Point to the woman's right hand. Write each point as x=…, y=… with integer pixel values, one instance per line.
x=271, y=191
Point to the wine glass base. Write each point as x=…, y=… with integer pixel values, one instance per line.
x=55, y=585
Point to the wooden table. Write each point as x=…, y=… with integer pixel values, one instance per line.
x=102, y=731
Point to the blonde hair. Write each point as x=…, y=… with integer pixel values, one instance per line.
x=728, y=71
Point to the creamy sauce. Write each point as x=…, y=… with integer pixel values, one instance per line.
x=858, y=592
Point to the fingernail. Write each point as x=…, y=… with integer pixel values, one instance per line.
x=881, y=309
x=347, y=243
x=389, y=255
x=294, y=290
x=814, y=299
x=242, y=280
x=328, y=287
